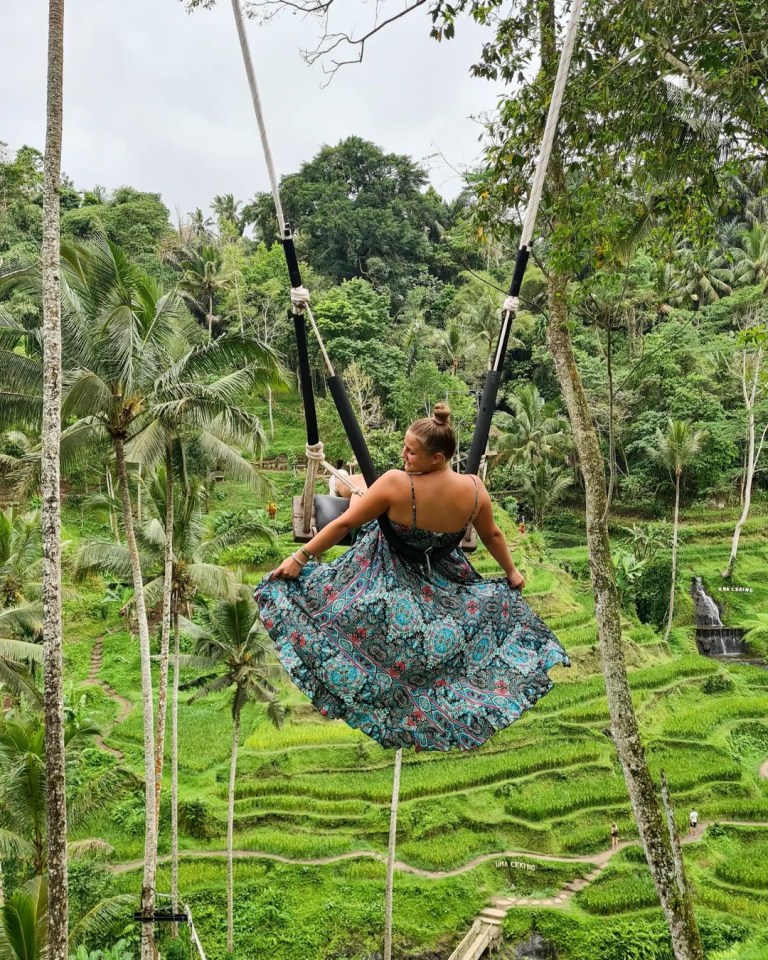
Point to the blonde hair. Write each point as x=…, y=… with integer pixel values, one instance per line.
x=435, y=433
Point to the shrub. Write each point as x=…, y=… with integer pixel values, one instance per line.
x=195, y=819
x=652, y=591
x=253, y=552
x=718, y=683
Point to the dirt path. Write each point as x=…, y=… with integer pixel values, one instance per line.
x=598, y=860
x=124, y=706
x=764, y=771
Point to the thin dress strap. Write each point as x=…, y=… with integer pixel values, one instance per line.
x=474, y=508
x=413, y=503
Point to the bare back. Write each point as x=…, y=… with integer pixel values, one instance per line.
x=441, y=501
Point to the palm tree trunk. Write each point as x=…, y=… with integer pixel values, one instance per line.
x=391, y=856
x=611, y=427
x=675, y=528
x=150, y=830
x=210, y=317
x=165, y=636
x=55, y=793
x=271, y=414
x=678, y=909
x=113, y=524
x=175, y=773
x=750, y=472
x=231, y=838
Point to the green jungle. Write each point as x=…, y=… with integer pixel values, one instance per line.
x=183, y=432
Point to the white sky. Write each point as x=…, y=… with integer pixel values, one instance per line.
x=158, y=99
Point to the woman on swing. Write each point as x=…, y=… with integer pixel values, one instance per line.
x=431, y=656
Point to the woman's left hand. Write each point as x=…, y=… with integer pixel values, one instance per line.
x=289, y=569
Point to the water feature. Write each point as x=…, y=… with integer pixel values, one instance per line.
x=712, y=636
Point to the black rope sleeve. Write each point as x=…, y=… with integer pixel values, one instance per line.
x=493, y=377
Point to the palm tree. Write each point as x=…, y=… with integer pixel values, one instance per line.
x=534, y=435
x=196, y=410
x=50, y=478
x=676, y=450
x=542, y=487
x=200, y=226
x=203, y=277
x=125, y=330
x=20, y=628
x=238, y=654
x=20, y=560
x=25, y=928
x=24, y=784
x=137, y=375
x=227, y=211
x=751, y=260
x=453, y=345
x=703, y=277
x=479, y=303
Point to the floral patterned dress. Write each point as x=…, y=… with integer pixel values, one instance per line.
x=431, y=658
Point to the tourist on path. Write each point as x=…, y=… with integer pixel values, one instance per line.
x=614, y=836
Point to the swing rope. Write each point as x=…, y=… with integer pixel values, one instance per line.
x=512, y=300
x=300, y=306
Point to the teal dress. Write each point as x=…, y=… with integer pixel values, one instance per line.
x=431, y=657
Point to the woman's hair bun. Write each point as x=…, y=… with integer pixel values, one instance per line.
x=441, y=413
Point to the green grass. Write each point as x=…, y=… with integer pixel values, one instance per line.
x=549, y=784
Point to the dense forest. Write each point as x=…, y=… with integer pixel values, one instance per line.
x=627, y=456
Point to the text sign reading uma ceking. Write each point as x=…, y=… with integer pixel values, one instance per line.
x=515, y=865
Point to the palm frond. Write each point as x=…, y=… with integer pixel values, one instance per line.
x=147, y=445
x=104, y=918
x=234, y=465
x=104, y=556
x=213, y=580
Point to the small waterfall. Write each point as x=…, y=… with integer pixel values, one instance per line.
x=712, y=636
x=707, y=614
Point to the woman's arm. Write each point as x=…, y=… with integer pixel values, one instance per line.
x=493, y=538
x=377, y=500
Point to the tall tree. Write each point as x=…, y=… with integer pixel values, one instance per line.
x=196, y=410
x=238, y=653
x=676, y=450
x=203, y=278
x=748, y=367
x=228, y=218
x=56, y=796
x=124, y=326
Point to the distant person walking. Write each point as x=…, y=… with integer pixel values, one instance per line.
x=614, y=836
x=693, y=822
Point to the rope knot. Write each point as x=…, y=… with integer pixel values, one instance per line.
x=314, y=451
x=299, y=298
x=511, y=304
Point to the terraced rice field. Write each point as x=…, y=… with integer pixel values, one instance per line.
x=550, y=785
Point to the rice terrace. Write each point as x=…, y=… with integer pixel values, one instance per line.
x=384, y=541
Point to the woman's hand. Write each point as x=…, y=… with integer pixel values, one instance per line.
x=516, y=580
x=289, y=569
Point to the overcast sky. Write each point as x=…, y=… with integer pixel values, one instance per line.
x=158, y=99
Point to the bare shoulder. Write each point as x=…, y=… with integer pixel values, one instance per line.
x=482, y=493
x=393, y=478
